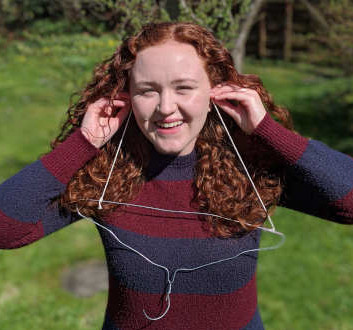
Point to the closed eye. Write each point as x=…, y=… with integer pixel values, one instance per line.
x=146, y=91
x=184, y=87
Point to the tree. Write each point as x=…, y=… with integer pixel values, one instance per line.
x=93, y=16
x=231, y=21
x=332, y=42
x=248, y=18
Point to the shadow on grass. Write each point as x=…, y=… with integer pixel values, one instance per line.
x=328, y=118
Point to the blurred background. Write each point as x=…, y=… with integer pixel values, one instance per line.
x=303, y=52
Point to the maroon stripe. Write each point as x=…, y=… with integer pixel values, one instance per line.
x=342, y=210
x=14, y=234
x=158, y=223
x=226, y=311
x=147, y=222
x=69, y=156
x=288, y=144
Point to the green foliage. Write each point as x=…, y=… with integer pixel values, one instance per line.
x=93, y=16
x=223, y=18
x=47, y=27
x=334, y=47
x=20, y=13
x=123, y=17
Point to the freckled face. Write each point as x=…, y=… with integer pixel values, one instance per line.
x=170, y=95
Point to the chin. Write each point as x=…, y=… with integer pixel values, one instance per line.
x=177, y=147
x=169, y=150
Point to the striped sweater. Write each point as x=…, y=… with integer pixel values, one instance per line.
x=218, y=296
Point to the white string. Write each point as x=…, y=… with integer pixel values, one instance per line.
x=179, y=211
x=114, y=161
x=245, y=169
x=171, y=279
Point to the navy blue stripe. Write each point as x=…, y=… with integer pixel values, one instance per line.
x=313, y=176
x=133, y=272
x=171, y=168
x=22, y=194
x=108, y=324
x=319, y=162
x=53, y=219
x=255, y=323
x=25, y=197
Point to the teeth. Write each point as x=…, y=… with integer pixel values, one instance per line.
x=169, y=125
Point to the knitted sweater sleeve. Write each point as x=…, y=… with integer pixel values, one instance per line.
x=27, y=212
x=318, y=179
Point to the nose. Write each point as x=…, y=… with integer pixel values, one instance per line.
x=167, y=105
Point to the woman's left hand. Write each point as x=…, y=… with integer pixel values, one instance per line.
x=244, y=105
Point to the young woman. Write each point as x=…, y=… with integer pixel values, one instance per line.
x=170, y=267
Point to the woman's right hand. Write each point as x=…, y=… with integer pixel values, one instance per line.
x=102, y=121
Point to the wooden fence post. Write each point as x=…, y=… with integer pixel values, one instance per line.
x=288, y=30
x=262, y=35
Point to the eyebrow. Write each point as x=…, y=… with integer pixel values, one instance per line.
x=178, y=81
x=174, y=82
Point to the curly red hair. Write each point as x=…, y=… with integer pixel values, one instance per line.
x=221, y=186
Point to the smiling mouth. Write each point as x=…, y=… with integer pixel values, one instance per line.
x=169, y=125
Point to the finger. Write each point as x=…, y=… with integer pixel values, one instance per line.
x=102, y=102
x=227, y=88
x=122, y=95
x=103, y=121
x=110, y=108
x=241, y=95
x=121, y=102
x=114, y=123
x=233, y=98
x=119, y=105
x=97, y=108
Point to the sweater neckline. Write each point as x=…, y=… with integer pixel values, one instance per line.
x=171, y=167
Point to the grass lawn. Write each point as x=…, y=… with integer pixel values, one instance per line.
x=304, y=285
